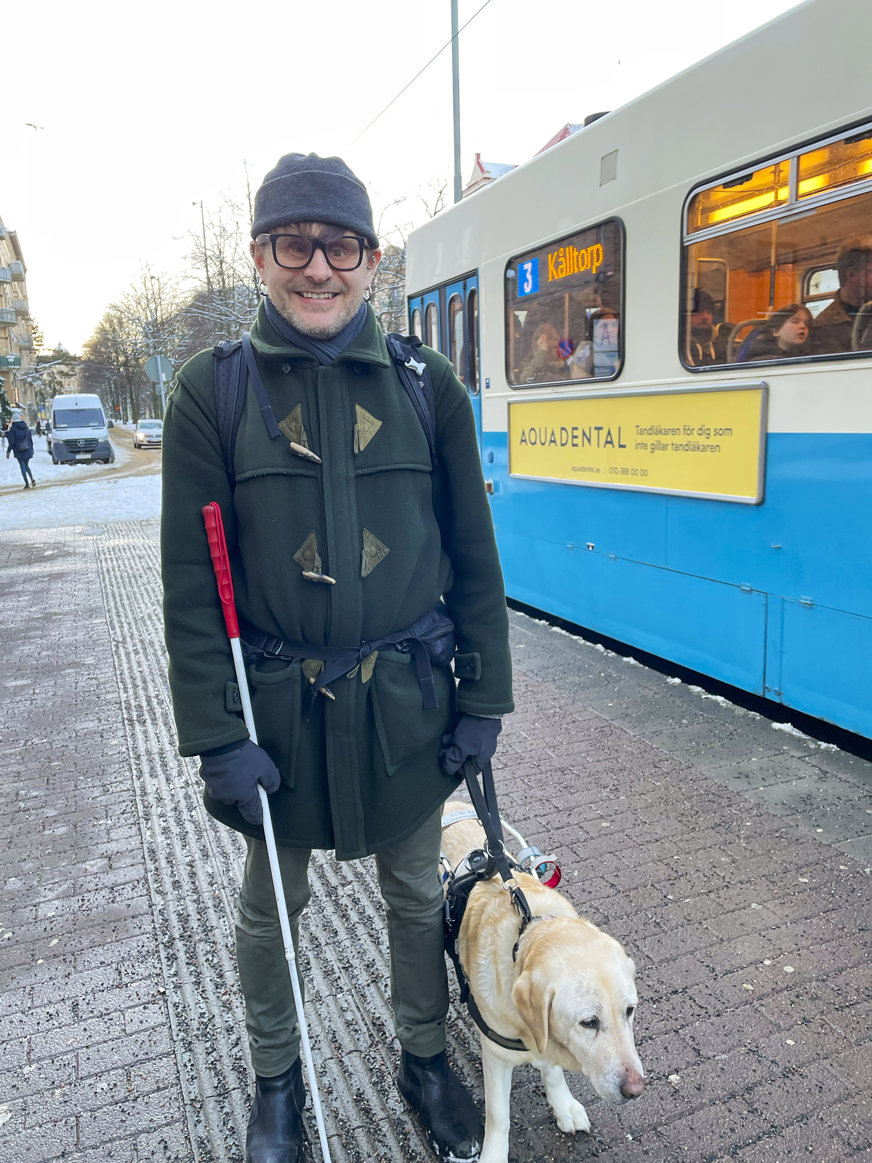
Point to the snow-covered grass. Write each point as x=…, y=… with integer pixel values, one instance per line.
x=91, y=496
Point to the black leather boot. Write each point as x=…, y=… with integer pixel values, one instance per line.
x=444, y=1107
x=275, y=1127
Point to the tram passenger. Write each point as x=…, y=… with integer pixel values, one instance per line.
x=545, y=363
x=700, y=330
x=368, y=772
x=834, y=326
x=600, y=354
x=786, y=334
x=606, y=335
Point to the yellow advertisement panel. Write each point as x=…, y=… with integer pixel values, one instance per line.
x=705, y=443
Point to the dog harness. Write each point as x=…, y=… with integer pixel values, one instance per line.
x=478, y=865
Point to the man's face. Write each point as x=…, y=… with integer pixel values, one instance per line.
x=317, y=300
x=857, y=288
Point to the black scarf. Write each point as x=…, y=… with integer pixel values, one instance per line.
x=326, y=351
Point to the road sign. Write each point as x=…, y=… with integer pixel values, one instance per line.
x=158, y=368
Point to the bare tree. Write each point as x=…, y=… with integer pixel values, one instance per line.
x=111, y=365
x=152, y=310
x=388, y=289
x=225, y=285
x=147, y=321
x=389, y=284
x=51, y=373
x=434, y=198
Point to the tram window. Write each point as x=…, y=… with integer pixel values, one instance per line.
x=474, y=384
x=563, y=309
x=821, y=287
x=797, y=284
x=739, y=197
x=455, y=336
x=837, y=164
x=432, y=326
x=417, y=328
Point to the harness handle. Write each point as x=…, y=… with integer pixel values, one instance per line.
x=484, y=800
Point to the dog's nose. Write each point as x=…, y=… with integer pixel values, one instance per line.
x=632, y=1084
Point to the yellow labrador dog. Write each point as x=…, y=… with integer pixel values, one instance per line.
x=565, y=990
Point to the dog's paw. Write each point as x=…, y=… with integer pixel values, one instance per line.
x=572, y=1117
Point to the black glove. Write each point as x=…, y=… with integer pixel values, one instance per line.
x=232, y=777
x=474, y=738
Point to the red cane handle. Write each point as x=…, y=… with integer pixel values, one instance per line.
x=221, y=564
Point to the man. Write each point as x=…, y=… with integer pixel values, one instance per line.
x=700, y=330
x=341, y=530
x=20, y=440
x=834, y=326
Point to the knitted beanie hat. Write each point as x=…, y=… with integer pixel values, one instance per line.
x=308, y=188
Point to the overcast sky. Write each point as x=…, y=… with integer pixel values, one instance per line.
x=137, y=113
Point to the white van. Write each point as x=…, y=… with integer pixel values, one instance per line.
x=79, y=431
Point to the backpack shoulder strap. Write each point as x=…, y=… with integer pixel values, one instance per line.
x=233, y=363
x=415, y=378
x=231, y=379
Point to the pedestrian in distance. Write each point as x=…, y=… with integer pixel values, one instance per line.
x=20, y=442
x=342, y=529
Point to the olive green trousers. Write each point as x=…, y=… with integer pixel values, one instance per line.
x=410, y=887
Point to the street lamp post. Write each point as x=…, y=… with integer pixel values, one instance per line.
x=455, y=92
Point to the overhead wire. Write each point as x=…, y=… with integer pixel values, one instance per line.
x=418, y=74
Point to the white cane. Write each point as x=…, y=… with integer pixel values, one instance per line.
x=221, y=564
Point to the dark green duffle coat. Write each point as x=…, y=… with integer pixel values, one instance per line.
x=361, y=773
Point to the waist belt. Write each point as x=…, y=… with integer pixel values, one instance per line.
x=429, y=639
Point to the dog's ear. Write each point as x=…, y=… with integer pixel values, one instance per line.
x=534, y=1007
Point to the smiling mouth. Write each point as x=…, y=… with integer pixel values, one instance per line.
x=318, y=294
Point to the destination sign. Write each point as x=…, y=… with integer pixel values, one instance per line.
x=573, y=260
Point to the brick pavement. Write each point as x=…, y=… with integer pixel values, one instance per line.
x=89, y=1071
x=731, y=858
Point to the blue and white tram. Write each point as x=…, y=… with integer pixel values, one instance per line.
x=665, y=327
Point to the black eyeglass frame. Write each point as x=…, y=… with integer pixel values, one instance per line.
x=316, y=244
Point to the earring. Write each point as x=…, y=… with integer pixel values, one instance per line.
x=367, y=294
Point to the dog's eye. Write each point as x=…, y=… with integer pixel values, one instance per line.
x=590, y=1023
x=630, y=1011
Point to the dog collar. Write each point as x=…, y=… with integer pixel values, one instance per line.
x=527, y=920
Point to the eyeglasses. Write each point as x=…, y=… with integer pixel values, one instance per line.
x=295, y=251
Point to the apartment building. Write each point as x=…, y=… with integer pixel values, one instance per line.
x=16, y=338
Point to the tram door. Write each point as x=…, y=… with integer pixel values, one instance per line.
x=446, y=319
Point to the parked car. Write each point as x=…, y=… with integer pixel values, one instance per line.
x=147, y=434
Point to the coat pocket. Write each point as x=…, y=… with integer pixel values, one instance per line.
x=404, y=728
x=276, y=702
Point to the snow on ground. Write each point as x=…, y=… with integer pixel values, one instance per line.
x=91, y=494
